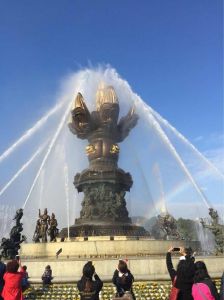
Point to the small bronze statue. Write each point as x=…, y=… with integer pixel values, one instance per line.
x=18, y=216
x=53, y=230
x=45, y=225
x=36, y=235
x=10, y=247
x=44, y=221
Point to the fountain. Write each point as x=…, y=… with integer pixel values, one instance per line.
x=106, y=194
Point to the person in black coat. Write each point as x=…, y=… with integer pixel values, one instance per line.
x=88, y=288
x=123, y=279
x=184, y=273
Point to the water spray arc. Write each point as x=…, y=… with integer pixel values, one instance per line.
x=30, y=131
x=42, y=178
x=173, y=151
x=142, y=174
x=52, y=143
x=157, y=172
x=187, y=142
x=20, y=171
x=67, y=196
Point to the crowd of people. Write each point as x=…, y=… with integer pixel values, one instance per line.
x=190, y=280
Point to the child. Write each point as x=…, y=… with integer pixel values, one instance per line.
x=47, y=276
x=25, y=283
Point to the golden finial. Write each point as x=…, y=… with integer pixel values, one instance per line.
x=105, y=94
x=79, y=102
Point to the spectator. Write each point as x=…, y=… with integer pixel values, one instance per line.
x=123, y=279
x=184, y=273
x=222, y=287
x=25, y=282
x=203, y=287
x=2, y=272
x=12, y=289
x=89, y=288
x=47, y=275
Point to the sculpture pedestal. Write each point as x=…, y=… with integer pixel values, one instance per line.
x=86, y=230
x=102, y=247
x=146, y=258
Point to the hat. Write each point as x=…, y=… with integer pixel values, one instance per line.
x=88, y=269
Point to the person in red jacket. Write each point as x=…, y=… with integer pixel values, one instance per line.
x=13, y=281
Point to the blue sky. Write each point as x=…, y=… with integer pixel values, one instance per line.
x=170, y=52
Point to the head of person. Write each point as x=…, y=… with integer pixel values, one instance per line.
x=48, y=267
x=188, y=252
x=184, y=251
x=88, y=270
x=24, y=268
x=12, y=266
x=201, y=271
x=122, y=266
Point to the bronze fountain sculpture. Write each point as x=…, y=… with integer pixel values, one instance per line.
x=103, y=183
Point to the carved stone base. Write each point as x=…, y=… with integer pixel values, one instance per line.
x=85, y=230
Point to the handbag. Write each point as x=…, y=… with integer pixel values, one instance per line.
x=174, y=291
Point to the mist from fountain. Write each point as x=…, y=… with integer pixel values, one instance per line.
x=206, y=239
x=47, y=182
x=188, y=143
x=67, y=197
x=7, y=213
x=42, y=179
x=162, y=203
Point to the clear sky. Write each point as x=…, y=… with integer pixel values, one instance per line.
x=170, y=52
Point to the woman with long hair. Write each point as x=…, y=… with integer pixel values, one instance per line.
x=123, y=279
x=203, y=287
x=13, y=281
x=182, y=276
x=88, y=288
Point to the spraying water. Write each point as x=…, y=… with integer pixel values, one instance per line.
x=42, y=178
x=53, y=141
x=21, y=170
x=148, y=139
x=175, y=154
x=67, y=197
x=30, y=132
x=162, y=202
x=187, y=142
x=7, y=213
